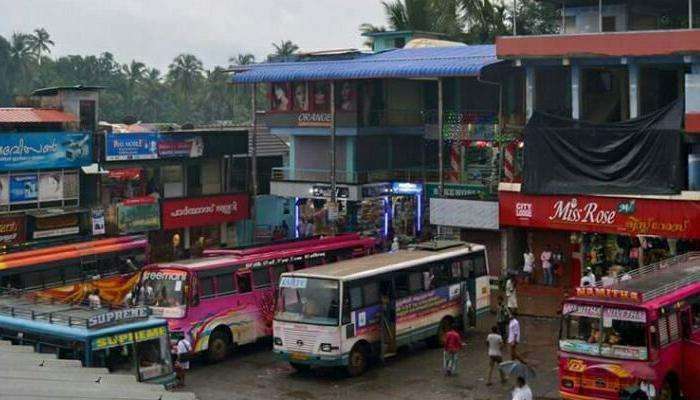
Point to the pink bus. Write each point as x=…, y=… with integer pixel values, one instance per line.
x=636, y=339
x=227, y=300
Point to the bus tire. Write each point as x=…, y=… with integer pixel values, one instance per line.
x=357, y=360
x=219, y=345
x=439, y=339
x=300, y=367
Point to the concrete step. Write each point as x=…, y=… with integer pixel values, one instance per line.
x=16, y=349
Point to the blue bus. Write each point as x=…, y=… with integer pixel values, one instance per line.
x=126, y=340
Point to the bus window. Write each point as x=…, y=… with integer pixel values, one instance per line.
x=276, y=271
x=356, y=298
x=206, y=287
x=261, y=278
x=32, y=280
x=695, y=314
x=468, y=268
x=674, y=329
x=225, y=284
x=243, y=281
x=480, y=264
x=402, y=287
x=415, y=282
x=428, y=279
x=370, y=292
x=443, y=274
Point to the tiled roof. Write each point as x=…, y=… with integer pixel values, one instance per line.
x=20, y=115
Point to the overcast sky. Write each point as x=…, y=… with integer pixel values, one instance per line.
x=155, y=31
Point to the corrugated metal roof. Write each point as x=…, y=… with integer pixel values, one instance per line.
x=401, y=63
x=34, y=115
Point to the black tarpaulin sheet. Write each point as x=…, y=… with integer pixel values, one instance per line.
x=640, y=156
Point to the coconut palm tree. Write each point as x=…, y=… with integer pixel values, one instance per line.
x=485, y=19
x=369, y=28
x=21, y=60
x=39, y=43
x=284, y=49
x=133, y=74
x=185, y=71
x=242, y=59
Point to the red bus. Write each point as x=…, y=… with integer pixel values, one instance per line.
x=67, y=272
x=228, y=300
x=637, y=338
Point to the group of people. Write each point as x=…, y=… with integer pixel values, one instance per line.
x=506, y=332
x=551, y=263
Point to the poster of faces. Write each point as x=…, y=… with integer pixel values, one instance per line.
x=348, y=96
x=280, y=97
x=4, y=190
x=50, y=186
x=320, y=97
x=301, y=96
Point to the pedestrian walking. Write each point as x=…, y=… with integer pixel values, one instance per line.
x=502, y=318
x=453, y=344
x=522, y=391
x=182, y=363
x=546, y=259
x=528, y=264
x=514, y=338
x=511, y=295
x=494, y=343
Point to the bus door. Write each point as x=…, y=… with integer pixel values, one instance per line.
x=388, y=321
x=690, y=318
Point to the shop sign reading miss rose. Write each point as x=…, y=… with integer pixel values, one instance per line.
x=586, y=213
x=204, y=211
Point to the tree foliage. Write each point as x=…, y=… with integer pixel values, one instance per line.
x=185, y=92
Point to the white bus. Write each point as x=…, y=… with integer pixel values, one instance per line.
x=344, y=313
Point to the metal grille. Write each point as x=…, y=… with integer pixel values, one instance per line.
x=298, y=340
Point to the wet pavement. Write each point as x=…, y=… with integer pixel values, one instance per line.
x=415, y=374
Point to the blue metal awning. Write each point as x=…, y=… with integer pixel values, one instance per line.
x=429, y=62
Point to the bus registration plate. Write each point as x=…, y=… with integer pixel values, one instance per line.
x=298, y=356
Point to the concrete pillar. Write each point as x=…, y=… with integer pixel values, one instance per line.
x=634, y=90
x=575, y=91
x=292, y=158
x=530, y=90
x=350, y=150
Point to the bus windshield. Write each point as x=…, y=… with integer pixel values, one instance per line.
x=164, y=292
x=604, y=331
x=308, y=300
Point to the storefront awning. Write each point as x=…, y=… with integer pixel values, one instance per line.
x=431, y=62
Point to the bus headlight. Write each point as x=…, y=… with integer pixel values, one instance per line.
x=277, y=341
x=326, y=347
x=567, y=383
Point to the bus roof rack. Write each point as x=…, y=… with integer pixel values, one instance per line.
x=437, y=245
x=651, y=281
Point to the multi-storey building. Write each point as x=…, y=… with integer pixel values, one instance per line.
x=612, y=61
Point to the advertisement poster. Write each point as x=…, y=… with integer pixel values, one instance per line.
x=188, y=146
x=138, y=216
x=98, y=221
x=4, y=190
x=616, y=215
x=71, y=185
x=12, y=230
x=203, y=211
x=59, y=225
x=50, y=186
x=131, y=146
x=26, y=151
x=23, y=188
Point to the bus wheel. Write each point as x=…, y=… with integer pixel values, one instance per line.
x=219, y=345
x=300, y=367
x=669, y=390
x=357, y=361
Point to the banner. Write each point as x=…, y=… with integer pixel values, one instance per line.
x=50, y=150
x=50, y=186
x=640, y=156
x=203, y=211
x=23, y=188
x=151, y=146
x=455, y=191
x=98, y=221
x=138, y=216
x=12, y=230
x=59, y=225
x=666, y=218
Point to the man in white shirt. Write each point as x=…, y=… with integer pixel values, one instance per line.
x=184, y=348
x=588, y=279
x=494, y=341
x=522, y=391
x=546, y=258
x=94, y=299
x=528, y=264
x=514, y=338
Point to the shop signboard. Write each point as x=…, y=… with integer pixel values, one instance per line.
x=455, y=191
x=131, y=146
x=406, y=188
x=57, y=225
x=12, y=230
x=121, y=339
x=46, y=150
x=97, y=215
x=204, y=211
x=23, y=188
x=307, y=119
x=138, y=215
x=603, y=214
x=324, y=191
x=117, y=316
x=152, y=146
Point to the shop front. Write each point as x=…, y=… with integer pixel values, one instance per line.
x=191, y=224
x=611, y=235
